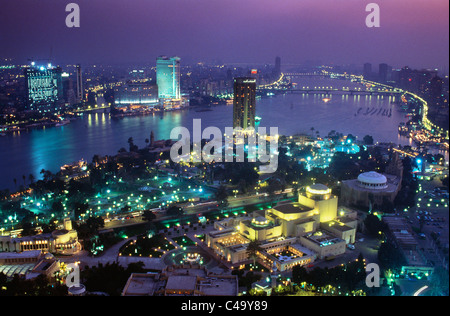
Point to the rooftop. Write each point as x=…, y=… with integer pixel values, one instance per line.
x=181, y=282
x=292, y=208
x=372, y=177
x=21, y=255
x=19, y=269
x=140, y=284
x=219, y=286
x=323, y=239
x=336, y=225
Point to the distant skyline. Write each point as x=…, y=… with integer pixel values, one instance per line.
x=412, y=32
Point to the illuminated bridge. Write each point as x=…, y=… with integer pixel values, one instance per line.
x=343, y=90
x=307, y=74
x=331, y=90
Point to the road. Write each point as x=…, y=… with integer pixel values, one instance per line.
x=437, y=219
x=204, y=207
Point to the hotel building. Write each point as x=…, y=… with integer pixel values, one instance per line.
x=44, y=88
x=244, y=103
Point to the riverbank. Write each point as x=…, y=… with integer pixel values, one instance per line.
x=96, y=133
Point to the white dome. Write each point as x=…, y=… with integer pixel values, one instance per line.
x=373, y=180
x=318, y=189
x=260, y=221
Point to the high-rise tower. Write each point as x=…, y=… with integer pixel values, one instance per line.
x=44, y=88
x=244, y=105
x=80, y=91
x=168, y=77
x=277, y=69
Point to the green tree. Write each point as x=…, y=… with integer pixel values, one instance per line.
x=221, y=196
x=368, y=140
x=253, y=248
x=149, y=215
x=175, y=211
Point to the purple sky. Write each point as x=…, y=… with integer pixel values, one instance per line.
x=413, y=32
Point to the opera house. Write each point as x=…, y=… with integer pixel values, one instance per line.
x=288, y=234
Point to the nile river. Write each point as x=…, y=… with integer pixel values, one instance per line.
x=29, y=152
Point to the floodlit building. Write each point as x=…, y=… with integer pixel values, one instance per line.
x=44, y=88
x=63, y=241
x=244, y=104
x=29, y=264
x=168, y=77
x=370, y=188
x=289, y=234
x=138, y=93
x=168, y=74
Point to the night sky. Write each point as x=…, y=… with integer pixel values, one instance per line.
x=413, y=32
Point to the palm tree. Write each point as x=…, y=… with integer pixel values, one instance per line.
x=31, y=178
x=152, y=139
x=95, y=160
x=253, y=248
x=15, y=184
x=24, y=180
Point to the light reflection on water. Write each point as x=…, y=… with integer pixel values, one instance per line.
x=96, y=133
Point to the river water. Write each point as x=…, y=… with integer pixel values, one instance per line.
x=29, y=152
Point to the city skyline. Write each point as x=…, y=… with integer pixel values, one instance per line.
x=226, y=148
x=415, y=34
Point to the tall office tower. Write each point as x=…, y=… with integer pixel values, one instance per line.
x=168, y=77
x=80, y=91
x=367, y=72
x=44, y=88
x=384, y=73
x=277, y=69
x=244, y=104
x=69, y=95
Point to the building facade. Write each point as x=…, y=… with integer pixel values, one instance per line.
x=44, y=88
x=63, y=241
x=288, y=234
x=168, y=76
x=137, y=93
x=244, y=103
x=80, y=89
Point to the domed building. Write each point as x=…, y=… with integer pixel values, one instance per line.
x=289, y=234
x=372, y=180
x=370, y=189
x=62, y=241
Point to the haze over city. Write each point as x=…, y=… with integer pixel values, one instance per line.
x=215, y=150
x=412, y=32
